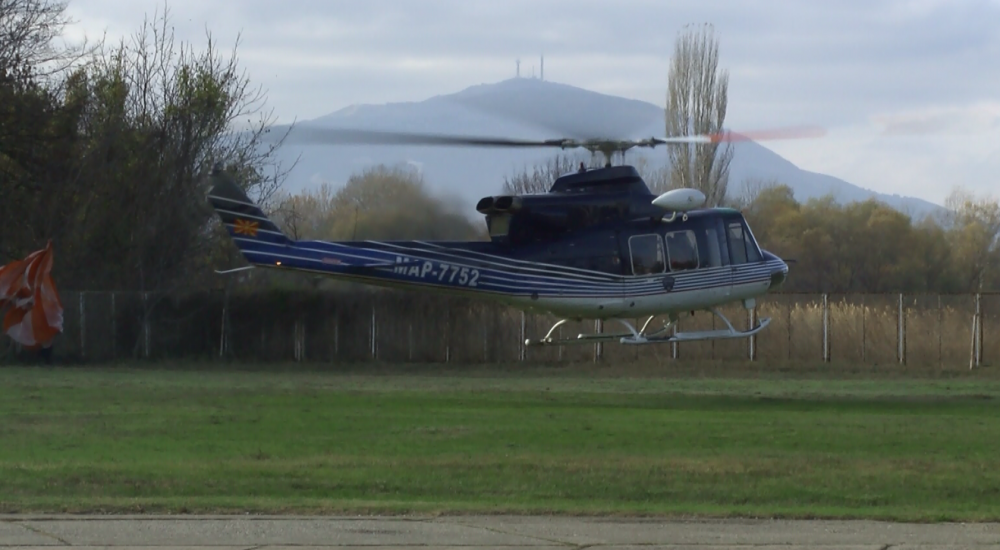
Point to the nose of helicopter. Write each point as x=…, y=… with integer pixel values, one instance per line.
x=779, y=270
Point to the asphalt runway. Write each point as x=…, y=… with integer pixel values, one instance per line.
x=478, y=532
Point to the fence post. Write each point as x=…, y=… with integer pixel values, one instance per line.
x=752, y=341
x=373, y=330
x=486, y=336
x=979, y=332
x=520, y=344
x=295, y=341
x=864, y=335
x=940, y=320
x=83, y=326
x=598, y=346
x=788, y=325
x=901, y=333
x=826, y=329
x=336, y=336
x=222, y=331
x=972, y=342
x=674, y=348
x=114, y=328
x=974, y=355
x=560, y=347
x=145, y=324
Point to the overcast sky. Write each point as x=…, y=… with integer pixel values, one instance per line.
x=908, y=90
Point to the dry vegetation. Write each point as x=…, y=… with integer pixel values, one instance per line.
x=336, y=326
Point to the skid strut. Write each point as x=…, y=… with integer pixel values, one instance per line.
x=659, y=336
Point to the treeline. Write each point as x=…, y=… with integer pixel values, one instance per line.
x=104, y=150
x=871, y=247
x=835, y=248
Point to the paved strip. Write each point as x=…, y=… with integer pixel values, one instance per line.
x=478, y=533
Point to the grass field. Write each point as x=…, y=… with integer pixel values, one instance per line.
x=810, y=442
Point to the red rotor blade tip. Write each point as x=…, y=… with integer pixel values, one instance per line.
x=777, y=133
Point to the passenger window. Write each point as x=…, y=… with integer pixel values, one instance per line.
x=682, y=250
x=737, y=243
x=647, y=254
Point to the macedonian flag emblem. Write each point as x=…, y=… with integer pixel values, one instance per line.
x=246, y=227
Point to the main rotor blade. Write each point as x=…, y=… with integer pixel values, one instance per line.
x=330, y=136
x=758, y=135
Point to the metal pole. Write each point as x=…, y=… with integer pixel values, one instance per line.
x=521, y=345
x=826, y=329
x=901, y=333
x=83, y=327
x=486, y=341
x=864, y=336
x=296, y=352
x=940, y=320
x=114, y=328
x=675, y=349
x=372, y=331
x=599, y=346
x=972, y=343
x=979, y=330
x=336, y=337
x=789, y=327
x=301, y=339
x=222, y=330
x=145, y=324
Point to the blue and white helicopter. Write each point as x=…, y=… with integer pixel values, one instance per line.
x=597, y=245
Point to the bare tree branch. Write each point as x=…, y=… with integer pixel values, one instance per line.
x=697, y=97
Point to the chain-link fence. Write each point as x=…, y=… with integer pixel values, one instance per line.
x=395, y=326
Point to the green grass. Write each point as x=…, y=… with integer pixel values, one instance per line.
x=818, y=442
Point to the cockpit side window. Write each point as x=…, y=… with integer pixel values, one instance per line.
x=737, y=248
x=647, y=254
x=742, y=248
x=753, y=251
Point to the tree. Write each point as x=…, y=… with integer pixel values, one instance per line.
x=697, y=95
x=109, y=162
x=153, y=118
x=28, y=31
x=752, y=189
x=975, y=237
x=656, y=178
x=539, y=178
x=381, y=202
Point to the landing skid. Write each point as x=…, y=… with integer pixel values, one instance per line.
x=660, y=336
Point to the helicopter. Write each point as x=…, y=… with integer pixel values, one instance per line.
x=598, y=245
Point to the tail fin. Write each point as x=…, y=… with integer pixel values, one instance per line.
x=246, y=222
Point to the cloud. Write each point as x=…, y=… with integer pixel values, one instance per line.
x=962, y=120
x=912, y=69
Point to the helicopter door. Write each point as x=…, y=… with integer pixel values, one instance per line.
x=699, y=248
x=743, y=253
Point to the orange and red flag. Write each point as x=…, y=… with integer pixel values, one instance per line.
x=35, y=316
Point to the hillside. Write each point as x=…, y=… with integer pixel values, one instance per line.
x=531, y=108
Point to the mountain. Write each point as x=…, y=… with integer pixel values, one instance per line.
x=533, y=109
